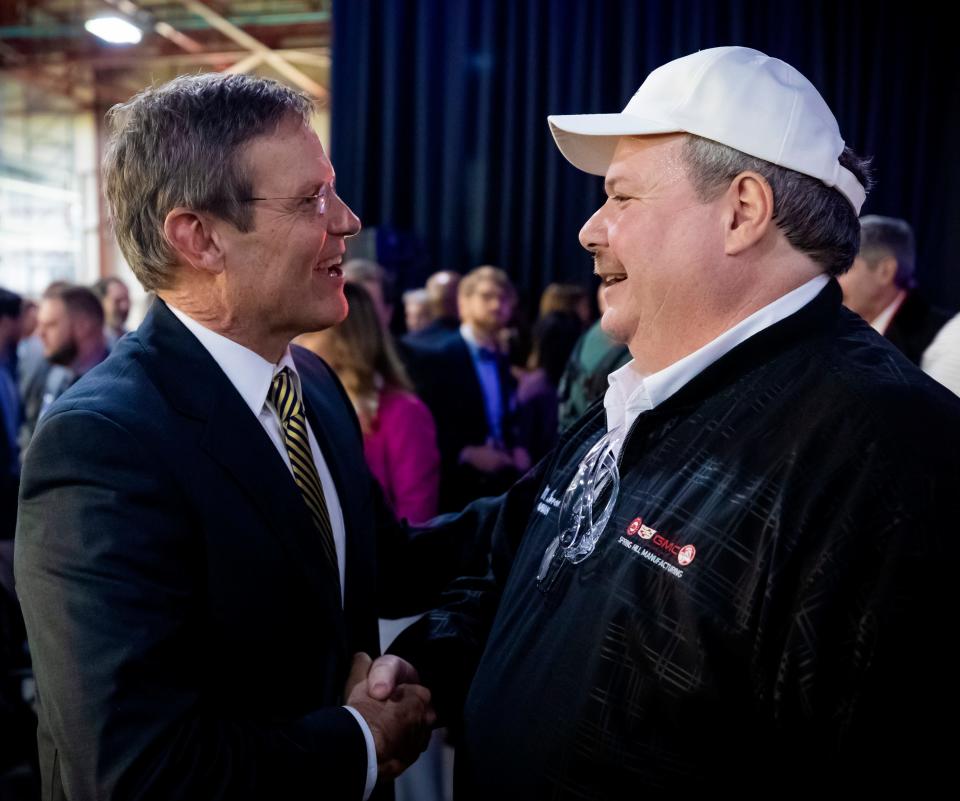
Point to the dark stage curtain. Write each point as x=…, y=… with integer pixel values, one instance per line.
x=439, y=115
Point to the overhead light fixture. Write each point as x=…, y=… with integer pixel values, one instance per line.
x=114, y=30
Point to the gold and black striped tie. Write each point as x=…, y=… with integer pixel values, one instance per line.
x=293, y=424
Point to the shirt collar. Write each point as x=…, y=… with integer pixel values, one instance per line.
x=630, y=393
x=250, y=374
x=883, y=320
x=471, y=339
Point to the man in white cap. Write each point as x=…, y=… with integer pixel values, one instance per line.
x=733, y=576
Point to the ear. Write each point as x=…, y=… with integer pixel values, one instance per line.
x=194, y=237
x=749, y=212
x=886, y=270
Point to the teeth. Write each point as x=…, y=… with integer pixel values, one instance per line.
x=610, y=280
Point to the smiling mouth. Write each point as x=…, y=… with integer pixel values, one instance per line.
x=331, y=267
x=613, y=278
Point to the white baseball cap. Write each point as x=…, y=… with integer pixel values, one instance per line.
x=733, y=95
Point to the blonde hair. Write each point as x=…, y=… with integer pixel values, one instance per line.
x=470, y=282
x=361, y=353
x=562, y=298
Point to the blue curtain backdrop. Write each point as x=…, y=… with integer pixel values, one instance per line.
x=439, y=130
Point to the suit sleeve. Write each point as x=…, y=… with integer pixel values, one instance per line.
x=108, y=566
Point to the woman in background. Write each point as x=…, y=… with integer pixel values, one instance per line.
x=400, y=445
x=399, y=436
x=554, y=336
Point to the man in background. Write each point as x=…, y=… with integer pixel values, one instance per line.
x=465, y=380
x=115, y=298
x=881, y=286
x=11, y=307
x=70, y=326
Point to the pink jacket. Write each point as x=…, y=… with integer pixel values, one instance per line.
x=401, y=450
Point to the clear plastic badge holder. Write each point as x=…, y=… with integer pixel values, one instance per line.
x=580, y=520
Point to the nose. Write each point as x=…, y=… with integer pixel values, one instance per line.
x=593, y=235
x=343, y=222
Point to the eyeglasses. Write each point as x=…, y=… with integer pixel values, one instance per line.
x=318, y=201
x=585, y=509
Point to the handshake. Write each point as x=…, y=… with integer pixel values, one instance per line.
x=389, y=697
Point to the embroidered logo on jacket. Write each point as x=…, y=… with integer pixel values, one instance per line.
x=683, y=554
x=548, y=499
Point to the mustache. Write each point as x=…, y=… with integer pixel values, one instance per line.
x=598, y=264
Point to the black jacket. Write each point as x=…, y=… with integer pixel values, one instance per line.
x=446, y=380
x=766, y=610
x=914, y=326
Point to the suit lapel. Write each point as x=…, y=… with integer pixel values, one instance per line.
x=470, y=392
x=235, y=439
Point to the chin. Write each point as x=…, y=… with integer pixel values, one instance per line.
x=334, y=314
x=609, y=326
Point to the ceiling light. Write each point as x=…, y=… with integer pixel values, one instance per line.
x=114, y=30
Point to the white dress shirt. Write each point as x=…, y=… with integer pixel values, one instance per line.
x=630, y=392
x=252, y=375
x=883, y=320
x=942, y=359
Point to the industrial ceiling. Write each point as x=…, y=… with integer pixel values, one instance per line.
x=44, y=44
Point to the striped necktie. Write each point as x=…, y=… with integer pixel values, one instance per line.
x=293, y=424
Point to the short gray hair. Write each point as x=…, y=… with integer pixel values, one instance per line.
x=816, y=219
x=363, y=270
x=416, y=296
x=889, y=236
x=179, y=144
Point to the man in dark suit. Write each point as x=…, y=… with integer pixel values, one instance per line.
x=11, y=306
x=200, y=547
x=115, y=297
x=465, y=380
x=442, y=289
x=881, y=286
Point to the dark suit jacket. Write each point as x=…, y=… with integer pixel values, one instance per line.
x=187, y=639
x=433, y=334
x=446, y=380
x=914, y=326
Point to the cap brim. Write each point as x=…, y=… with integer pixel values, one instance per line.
x=588, y=141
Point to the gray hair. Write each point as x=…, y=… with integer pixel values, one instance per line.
x=889, y=236
x=416, y=296
x=363, y=270
x=816, y=219
x=180, y=144
x=367, y=271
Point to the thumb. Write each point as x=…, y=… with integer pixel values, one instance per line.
x=388, y=672
x=358, y=672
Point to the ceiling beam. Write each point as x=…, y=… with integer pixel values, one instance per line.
x=271, y=57
x=62, y=28
x=318, y=57
x=245, y=64
x=164, y=29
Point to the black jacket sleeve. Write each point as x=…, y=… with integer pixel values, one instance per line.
x=446, y=645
